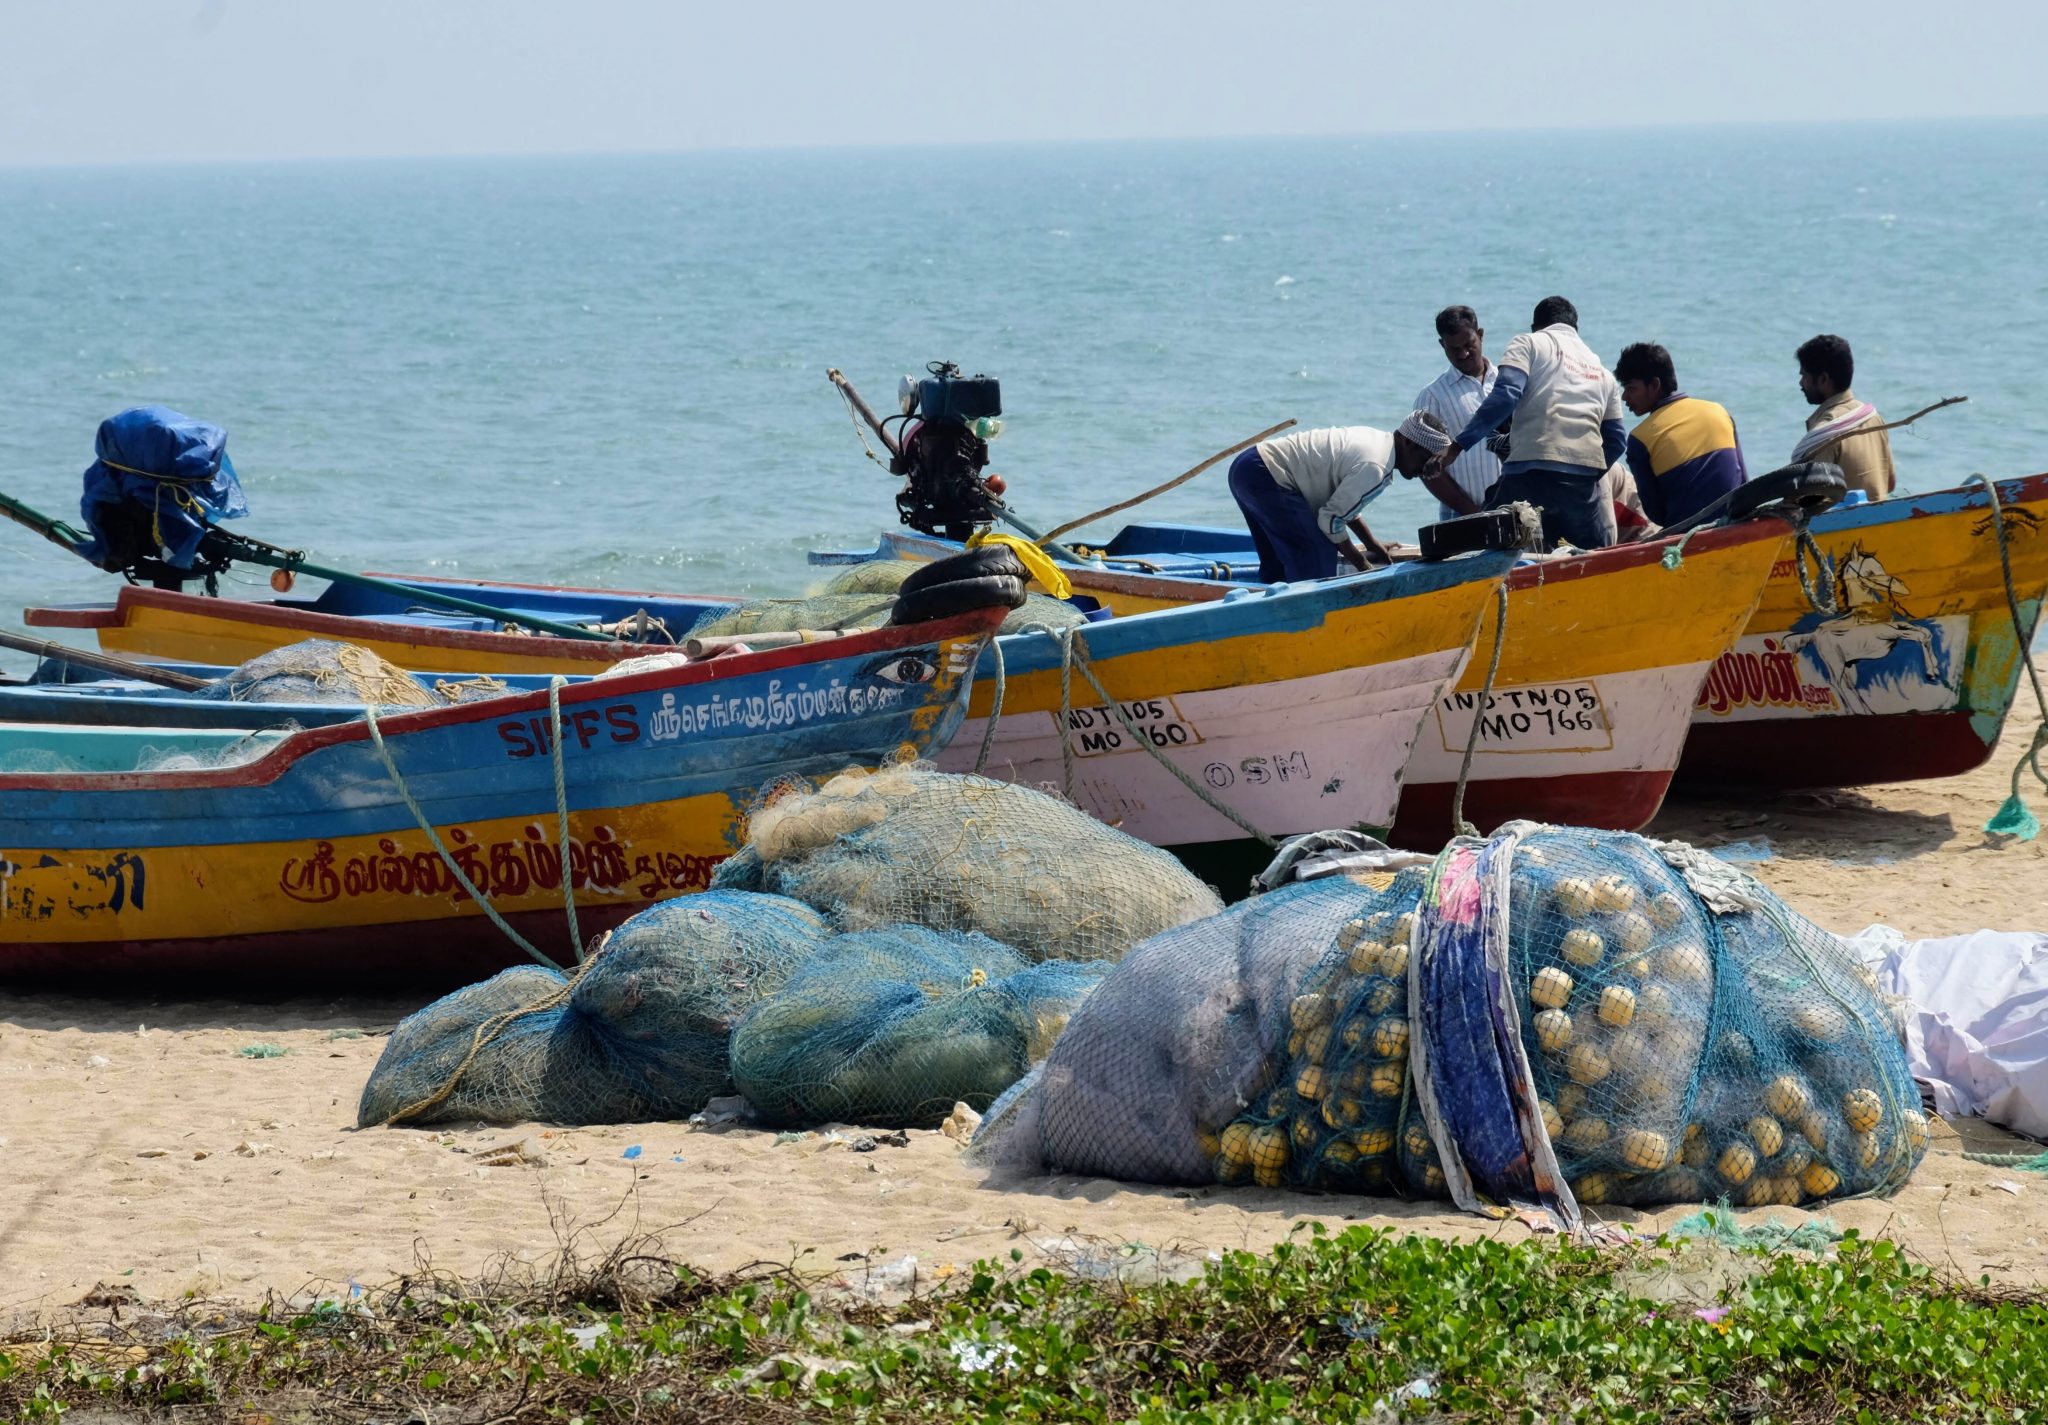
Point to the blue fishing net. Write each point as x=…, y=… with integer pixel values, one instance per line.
x=641, y=1032
x=912, y=846
x=1551, y=1017
x=894, y=1026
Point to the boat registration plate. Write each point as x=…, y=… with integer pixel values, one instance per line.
x=1535, y=717
x=1098, y=731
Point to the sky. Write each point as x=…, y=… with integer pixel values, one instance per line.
x=111, y=81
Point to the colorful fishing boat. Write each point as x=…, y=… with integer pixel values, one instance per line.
x=1604, y=658
x=301, y=856
x=1909, y=669
x=1294, y=707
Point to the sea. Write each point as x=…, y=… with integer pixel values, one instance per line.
x=610, y=370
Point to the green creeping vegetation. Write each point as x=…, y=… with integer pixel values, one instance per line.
x=1324, y=1328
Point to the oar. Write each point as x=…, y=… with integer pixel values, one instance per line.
x=255, y=551
x=104, y=662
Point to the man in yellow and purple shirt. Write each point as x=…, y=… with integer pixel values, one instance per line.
x=1683, y=453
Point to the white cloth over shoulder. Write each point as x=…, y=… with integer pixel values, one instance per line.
x=1977, y=1036
x=1337, y=469
x=1568, y=396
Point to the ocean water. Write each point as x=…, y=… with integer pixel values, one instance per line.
x=610, y=370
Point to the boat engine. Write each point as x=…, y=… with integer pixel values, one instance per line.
x=948, y=421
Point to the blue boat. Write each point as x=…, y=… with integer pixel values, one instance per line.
x=363, y=853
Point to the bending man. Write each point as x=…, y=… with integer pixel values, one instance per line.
x=1302, y=493
x=1565, y=429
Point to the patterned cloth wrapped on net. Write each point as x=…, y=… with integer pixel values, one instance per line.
x=912, y=846
x=894, y=1026
x=319, y=670
x=885, y=576
x=1596, y=1018
x=641, y=1032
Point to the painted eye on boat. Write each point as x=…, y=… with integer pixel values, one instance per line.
x=904, y=668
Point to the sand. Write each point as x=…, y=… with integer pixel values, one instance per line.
x=142, y=1145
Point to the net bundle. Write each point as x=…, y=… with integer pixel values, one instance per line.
x=912, y=846
x=821, y=611
x=894, y=1026
x=1634, y=1020
x=319, y=670
x=641, y=1032
x=886, y=576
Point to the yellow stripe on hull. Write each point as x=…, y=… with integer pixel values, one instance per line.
x=625, y=856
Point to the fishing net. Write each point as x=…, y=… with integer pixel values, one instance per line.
x=319, y=670
x=823, y=611
x=894, y=1026
x=1546, y=1008
x=871, y=576
x=911, y=846
x=641, y=1032
x=885, y=576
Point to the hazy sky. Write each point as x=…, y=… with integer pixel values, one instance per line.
x=115, y=80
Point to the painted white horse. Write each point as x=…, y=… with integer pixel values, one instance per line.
x=1871, y=624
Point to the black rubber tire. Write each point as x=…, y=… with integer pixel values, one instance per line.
x=958, y=596
x=1811, y=485
x=984, y=562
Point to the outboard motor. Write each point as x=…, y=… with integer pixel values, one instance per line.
x=949, y=420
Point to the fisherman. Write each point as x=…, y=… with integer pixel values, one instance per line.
x=1453, y=398
x=1825, y=370
x=1683, y=453
x=1565, y=427
x=1301, y=493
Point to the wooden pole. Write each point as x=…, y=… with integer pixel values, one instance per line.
x=104, y=662
x=861, y=408
x=1174, y=483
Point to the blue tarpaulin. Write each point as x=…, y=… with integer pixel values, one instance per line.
x=176, y=468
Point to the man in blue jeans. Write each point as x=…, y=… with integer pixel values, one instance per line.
x=1565, y=430
x=1302, y=493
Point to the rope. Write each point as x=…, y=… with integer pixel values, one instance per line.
x=1073, y=652
x=434, y=838
x=1174, y=483
x=555, y=685
x=995, y=711
x=2032, y=1162
x=1823, y=600
x=1459, y=825
x=2013, y=818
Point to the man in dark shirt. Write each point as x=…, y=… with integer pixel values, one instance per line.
x=1683, y=453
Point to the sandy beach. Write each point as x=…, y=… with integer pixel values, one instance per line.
x=171, y=1148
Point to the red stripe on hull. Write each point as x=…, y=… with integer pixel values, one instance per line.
x=426, y=955
x=1612, y=801
x=1852, y=751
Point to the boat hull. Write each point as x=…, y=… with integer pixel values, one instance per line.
x=1911, y=679
x=1296, y=708
x=305, y=866
x=1603, y=660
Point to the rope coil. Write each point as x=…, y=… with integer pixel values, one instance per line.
x=2013, y=818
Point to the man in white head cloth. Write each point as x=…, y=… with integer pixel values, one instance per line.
x=1302, y=493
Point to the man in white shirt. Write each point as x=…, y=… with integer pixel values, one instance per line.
x=1566, y=429
x=1454, y=399
x=1302, y=493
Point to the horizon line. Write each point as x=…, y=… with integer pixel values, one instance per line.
x=21, y=165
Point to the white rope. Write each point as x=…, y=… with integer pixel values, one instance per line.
x=434, y=838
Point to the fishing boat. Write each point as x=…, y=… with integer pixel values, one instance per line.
x=1294, y=707
x=304, y=856
x=1907, y=667
x=1603, y=660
